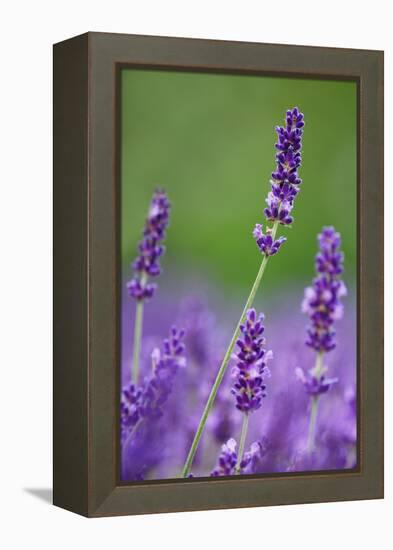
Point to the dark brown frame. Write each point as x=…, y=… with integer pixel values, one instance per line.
x=86, y=161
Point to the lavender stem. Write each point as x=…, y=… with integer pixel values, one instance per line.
x=137, y=335
x=132, y=432
x=220, y=375
x=313, y=420
x=317, y=372
x=243, y=437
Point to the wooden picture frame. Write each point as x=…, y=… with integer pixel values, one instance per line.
x=86, y=295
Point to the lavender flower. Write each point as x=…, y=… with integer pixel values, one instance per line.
x=285, y=179
x=250, y=371
x=322, y=300
x=227, y=460
x=322, y=303
x=265, y=242
x=150, y=250
x=285, y=183
x=129, y=409
x=165, y=365
x=249, y=463
x=314, y=385
x=147, y=401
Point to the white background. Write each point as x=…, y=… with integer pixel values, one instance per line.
x=28, y=29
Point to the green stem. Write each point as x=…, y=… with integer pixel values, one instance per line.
x=313, y=421
x=137, y=336
x=220, y=375
x=132, y=432
x=242, y=443
x=317, y=371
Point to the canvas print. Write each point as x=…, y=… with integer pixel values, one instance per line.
x=238, y=275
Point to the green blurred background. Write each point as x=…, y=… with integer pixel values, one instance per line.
x=208, y=139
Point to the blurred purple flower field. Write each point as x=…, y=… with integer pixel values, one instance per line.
x=207, y=400
x=277, y=434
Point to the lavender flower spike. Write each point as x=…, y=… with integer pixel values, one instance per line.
x=227, y=460
x=285, y=182
x=148, y=400
x=322, y=300
x=165, y=366
x=150, y=250
x=322, y=303
x=147, y=265
x=251, y=364
x=250, y=372
x=285, y=179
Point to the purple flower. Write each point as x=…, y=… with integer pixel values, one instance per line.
x=285, y=183
x=322, y=300
x=165, y=365
x=285, y=179
x=314, y=385
x=266, y=244
x=150, y=250
x=251, y=358
x=227, y=460
x=249, y=464
x=147, y=401
x=140, y=290
x=129, y=409
x=278, y=210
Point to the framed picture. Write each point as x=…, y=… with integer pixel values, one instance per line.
x=218, y=274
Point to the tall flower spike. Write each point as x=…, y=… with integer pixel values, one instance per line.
x=251, y=368
x=322, y=300
x=148, y=400
x=147, y=265
x=285, y=182
x=150, y=250
x=165, y=366
x=322, y=303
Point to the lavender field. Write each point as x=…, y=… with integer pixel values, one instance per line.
x=279, y=428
